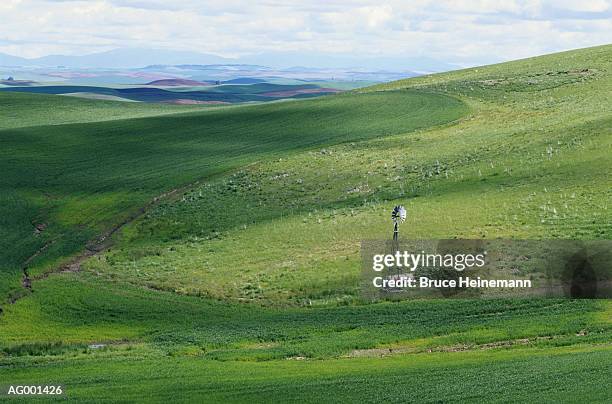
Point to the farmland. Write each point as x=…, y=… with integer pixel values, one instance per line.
x=250, y=270
x=233, y=93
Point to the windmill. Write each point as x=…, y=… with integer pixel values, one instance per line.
x=398, y=215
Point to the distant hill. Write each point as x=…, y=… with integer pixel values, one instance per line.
x=226, y=66
x=178, y=82
x=244, y=80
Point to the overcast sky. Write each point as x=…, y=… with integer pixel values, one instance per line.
x=463, y=32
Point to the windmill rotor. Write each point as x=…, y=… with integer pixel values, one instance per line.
x=398, y=215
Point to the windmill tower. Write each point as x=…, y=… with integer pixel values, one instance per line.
x=398, y=215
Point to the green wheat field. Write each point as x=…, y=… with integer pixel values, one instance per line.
x=153, y=252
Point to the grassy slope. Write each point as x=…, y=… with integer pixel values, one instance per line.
x=536, y=152
x=79, y=179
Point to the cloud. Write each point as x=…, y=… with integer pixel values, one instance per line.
x=593, y=6
x=462, y=31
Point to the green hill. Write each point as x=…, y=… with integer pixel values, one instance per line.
x=63, y=185
x=251, y=270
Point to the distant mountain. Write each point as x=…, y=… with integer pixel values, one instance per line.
x=8, y=60
x=118, y=58
x=154, y=58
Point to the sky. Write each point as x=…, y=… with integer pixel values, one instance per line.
x=462, y=32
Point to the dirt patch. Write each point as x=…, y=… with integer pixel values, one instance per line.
x=382, y=352
x=39, y=227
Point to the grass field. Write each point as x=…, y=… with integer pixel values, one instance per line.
x=251, y=272
x=534, y=375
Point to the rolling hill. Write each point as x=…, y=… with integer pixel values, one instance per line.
x=173, y=90
x=198, y=247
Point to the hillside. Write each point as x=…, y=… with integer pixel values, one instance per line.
x=79, y=179
x=251, y=268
